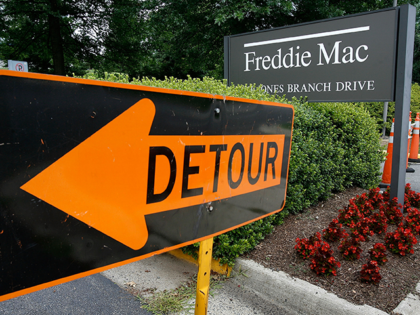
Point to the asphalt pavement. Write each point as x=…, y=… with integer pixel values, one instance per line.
x=414, y=178
x=95, y=294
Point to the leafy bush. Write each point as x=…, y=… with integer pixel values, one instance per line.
x=376, y=109
x=335, y=145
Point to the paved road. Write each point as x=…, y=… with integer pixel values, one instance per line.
x=90, y=295
x=414, y=178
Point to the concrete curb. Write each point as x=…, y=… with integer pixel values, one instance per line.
x=409, y=306
x=297, y=296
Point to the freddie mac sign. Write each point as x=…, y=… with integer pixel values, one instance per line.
x=347, y=58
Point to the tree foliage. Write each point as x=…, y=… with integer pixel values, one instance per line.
x=54, y=36
x=151, y=37
x=193, y=42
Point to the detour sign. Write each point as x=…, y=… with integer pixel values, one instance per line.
x=97, y=174
x=120, y=174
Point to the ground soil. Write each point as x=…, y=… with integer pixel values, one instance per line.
x=400, y=275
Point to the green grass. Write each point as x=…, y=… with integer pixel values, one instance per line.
x=175, y=301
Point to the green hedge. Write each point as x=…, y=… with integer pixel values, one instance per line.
x=334, y=146
x=376, y=109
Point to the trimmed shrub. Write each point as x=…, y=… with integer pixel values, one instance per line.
x=376, y=109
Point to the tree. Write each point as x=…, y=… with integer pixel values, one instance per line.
x=54, y=36
x=125, y=44
x=151, y=37
x=416, y=62
x=186, y=36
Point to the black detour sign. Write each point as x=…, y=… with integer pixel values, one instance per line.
x=97, y=174
x=348, y=58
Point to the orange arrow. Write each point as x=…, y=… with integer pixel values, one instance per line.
x=121, y=173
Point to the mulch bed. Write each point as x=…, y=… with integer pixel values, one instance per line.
x=400, y=275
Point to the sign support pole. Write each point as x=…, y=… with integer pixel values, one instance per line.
x=203, y=277
x=384, y=117
x=402, y=99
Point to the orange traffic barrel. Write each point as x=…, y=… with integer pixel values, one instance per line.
x=386, y=175
x=414, y=152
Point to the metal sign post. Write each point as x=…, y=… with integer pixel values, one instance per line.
x=203, y=277
x=407, y=20
x=385, y=113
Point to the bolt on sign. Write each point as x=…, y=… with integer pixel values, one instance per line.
x=96, y=174
x=346, y=58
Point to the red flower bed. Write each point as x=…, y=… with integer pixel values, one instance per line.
x=365, y=215
x=360, y=230
x=350, y=214
x=378, y=223
x=350, y=248
x=393, y=212
x=412, y=221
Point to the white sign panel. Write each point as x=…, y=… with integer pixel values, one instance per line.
x=21, y=66
x=350, y=58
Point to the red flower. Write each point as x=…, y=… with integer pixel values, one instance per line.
x=323, y=261
x=306, y=247
x=350, y=248
x=334, y=231
x=370, y=272
x=401, y=241
x=378, y=253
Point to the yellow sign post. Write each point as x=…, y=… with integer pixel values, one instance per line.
x=203, y=277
